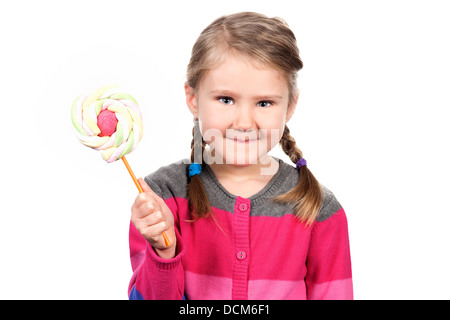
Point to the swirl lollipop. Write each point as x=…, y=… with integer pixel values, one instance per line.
x=109, y=120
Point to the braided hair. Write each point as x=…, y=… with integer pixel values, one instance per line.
x=306, y=196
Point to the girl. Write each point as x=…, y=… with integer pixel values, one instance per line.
x=241, y=224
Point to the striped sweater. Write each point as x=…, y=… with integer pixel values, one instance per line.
x=254, y=249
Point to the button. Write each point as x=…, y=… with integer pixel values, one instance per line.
x=241, y=255
x=243, y=207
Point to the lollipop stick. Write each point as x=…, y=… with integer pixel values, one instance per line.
x=166, y=240
x=132, y=174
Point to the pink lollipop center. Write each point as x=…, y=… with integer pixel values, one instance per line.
x=107, y=122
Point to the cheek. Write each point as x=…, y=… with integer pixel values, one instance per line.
x=273, y=132
x=274, y=125
x=211, y=130
x=270, y=137
x=212, y=122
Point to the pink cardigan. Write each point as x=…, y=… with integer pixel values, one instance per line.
x=254, y=250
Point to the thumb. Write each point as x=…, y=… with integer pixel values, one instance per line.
x=147, y=188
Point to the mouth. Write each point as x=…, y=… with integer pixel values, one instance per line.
x=246, y=140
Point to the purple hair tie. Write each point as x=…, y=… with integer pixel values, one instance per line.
x=300, y=163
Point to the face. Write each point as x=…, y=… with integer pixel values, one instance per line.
x=242, y=107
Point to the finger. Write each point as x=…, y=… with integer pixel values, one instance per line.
x=143, y=199
x=153, y=218
x=143, y=222
x=147, y=189
x=154, y=232
x=148, y=207
x=145, y=186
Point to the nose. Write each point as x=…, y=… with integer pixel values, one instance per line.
x=244, y=119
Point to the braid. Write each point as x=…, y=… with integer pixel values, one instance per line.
x=198, y=199
x=306, y=196
x=289, y=146
x=196, y=146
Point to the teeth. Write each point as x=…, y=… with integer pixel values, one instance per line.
x=247, y=140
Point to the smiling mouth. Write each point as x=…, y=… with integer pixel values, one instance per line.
x=247, y=140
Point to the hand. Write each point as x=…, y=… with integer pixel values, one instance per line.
x=151, y=217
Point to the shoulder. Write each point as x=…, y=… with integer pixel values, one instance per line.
x=330, y=205
x=170, y=180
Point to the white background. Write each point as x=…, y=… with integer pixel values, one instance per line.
x=372, y=121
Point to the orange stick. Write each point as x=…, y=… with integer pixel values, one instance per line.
x=166, y=240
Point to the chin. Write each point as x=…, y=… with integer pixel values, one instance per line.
x=243, y=161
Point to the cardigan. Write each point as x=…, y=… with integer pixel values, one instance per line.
x=251, y=249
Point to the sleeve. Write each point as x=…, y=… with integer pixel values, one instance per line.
x=155, y=278
x=329, y=273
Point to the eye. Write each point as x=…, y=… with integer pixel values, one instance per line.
x=226, y=100
x=265, y=104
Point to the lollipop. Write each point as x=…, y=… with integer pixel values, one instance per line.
x=109, y=120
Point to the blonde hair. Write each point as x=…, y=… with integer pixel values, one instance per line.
x=271, y=42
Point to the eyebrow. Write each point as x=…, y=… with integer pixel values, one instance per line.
x=233, y=94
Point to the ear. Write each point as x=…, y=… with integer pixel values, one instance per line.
x=291, y=108
x=191, y=100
